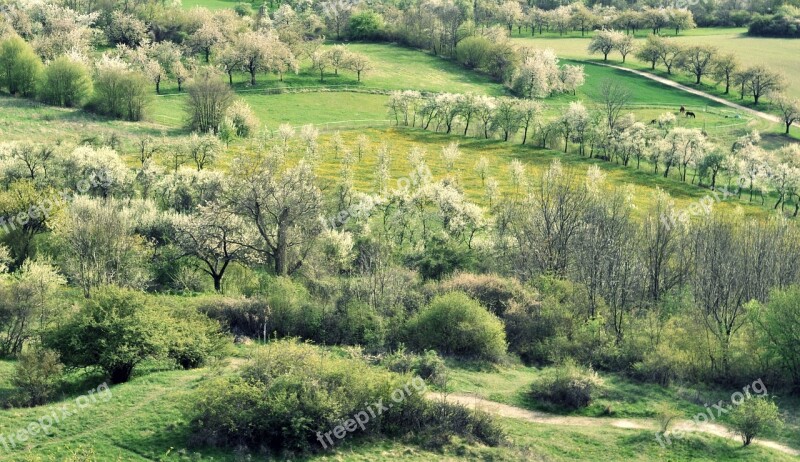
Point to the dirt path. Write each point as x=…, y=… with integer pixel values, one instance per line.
x=513, y=412
x=717, y=99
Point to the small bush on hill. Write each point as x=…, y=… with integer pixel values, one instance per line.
x=37, y=375
x=291, y=394
x=428, y=365
x=65, y=82
x=118, y=329
x=755, y=415
x=494, y=292
x=454, y=324
x=567, y=386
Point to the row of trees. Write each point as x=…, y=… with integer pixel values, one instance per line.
x=697, y=60
x=149, y=229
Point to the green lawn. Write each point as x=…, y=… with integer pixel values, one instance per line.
x=332, y=109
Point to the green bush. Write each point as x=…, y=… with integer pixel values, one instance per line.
x=290, y=391
x=245, y=316
x=472, y=52
x=753, y=417
x=65, y=82
x=120, y=93
x=194, y=338
x=366, y=25
x=19, y=66
x=494, y=292
x=354, y=322
x=429, y=365
x=115, y=331
x=454, y=324
x=118, y=329
x=37, y=375
x=567, y=386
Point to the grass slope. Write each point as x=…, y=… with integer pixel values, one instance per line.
x=145, y=420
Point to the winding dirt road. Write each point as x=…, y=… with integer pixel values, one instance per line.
x=670, y=83
x=513, y=412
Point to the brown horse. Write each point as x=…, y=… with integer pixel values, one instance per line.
x=683, y=109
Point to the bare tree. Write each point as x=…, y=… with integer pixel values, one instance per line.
x=284, y=209
x=789, y=109
x=208, y=100
x=212, y=236
x=698, y=60
x=614, y=98
x=762, y=81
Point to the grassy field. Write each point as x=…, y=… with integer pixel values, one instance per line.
x=146, y=420
x=778, y=54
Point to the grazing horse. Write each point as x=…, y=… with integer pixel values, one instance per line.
x=690, y=114
x=653, y=122
x=683, y=109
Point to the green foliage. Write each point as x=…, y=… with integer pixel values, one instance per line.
x=290, y=391
x=118, y=329
x=121, y=93
x=114, y=331
x=777, y=320
x=566, y=386
x=428, y=365
x=755, y=415
x=665, y=414
x=19, y=66
x=355, y=323
x=193, y=338
x=494, y=292
x=65, y=82
x=454, y=324
x=472, y=52
x=440, y=258
x=37, y=375
x=366, y=25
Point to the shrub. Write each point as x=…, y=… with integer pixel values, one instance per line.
x=65, y=83
x=472, y=52
x=194, y=338
x=19, y=66
x=209, y=99
x=242, y=118
x=661, y=365
x=753, y=417
x=429, y=366
x=114, y=331
x=290, y=391
x=567, y=386
x=454, y=324
x=37, y=375
x=118, y=329
x=286, y=312
x=494, y=292
x=665, y=414
x=441, y=258
x=120, y=93
x=245, y=317
x=354, y=323
x=366, y=25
